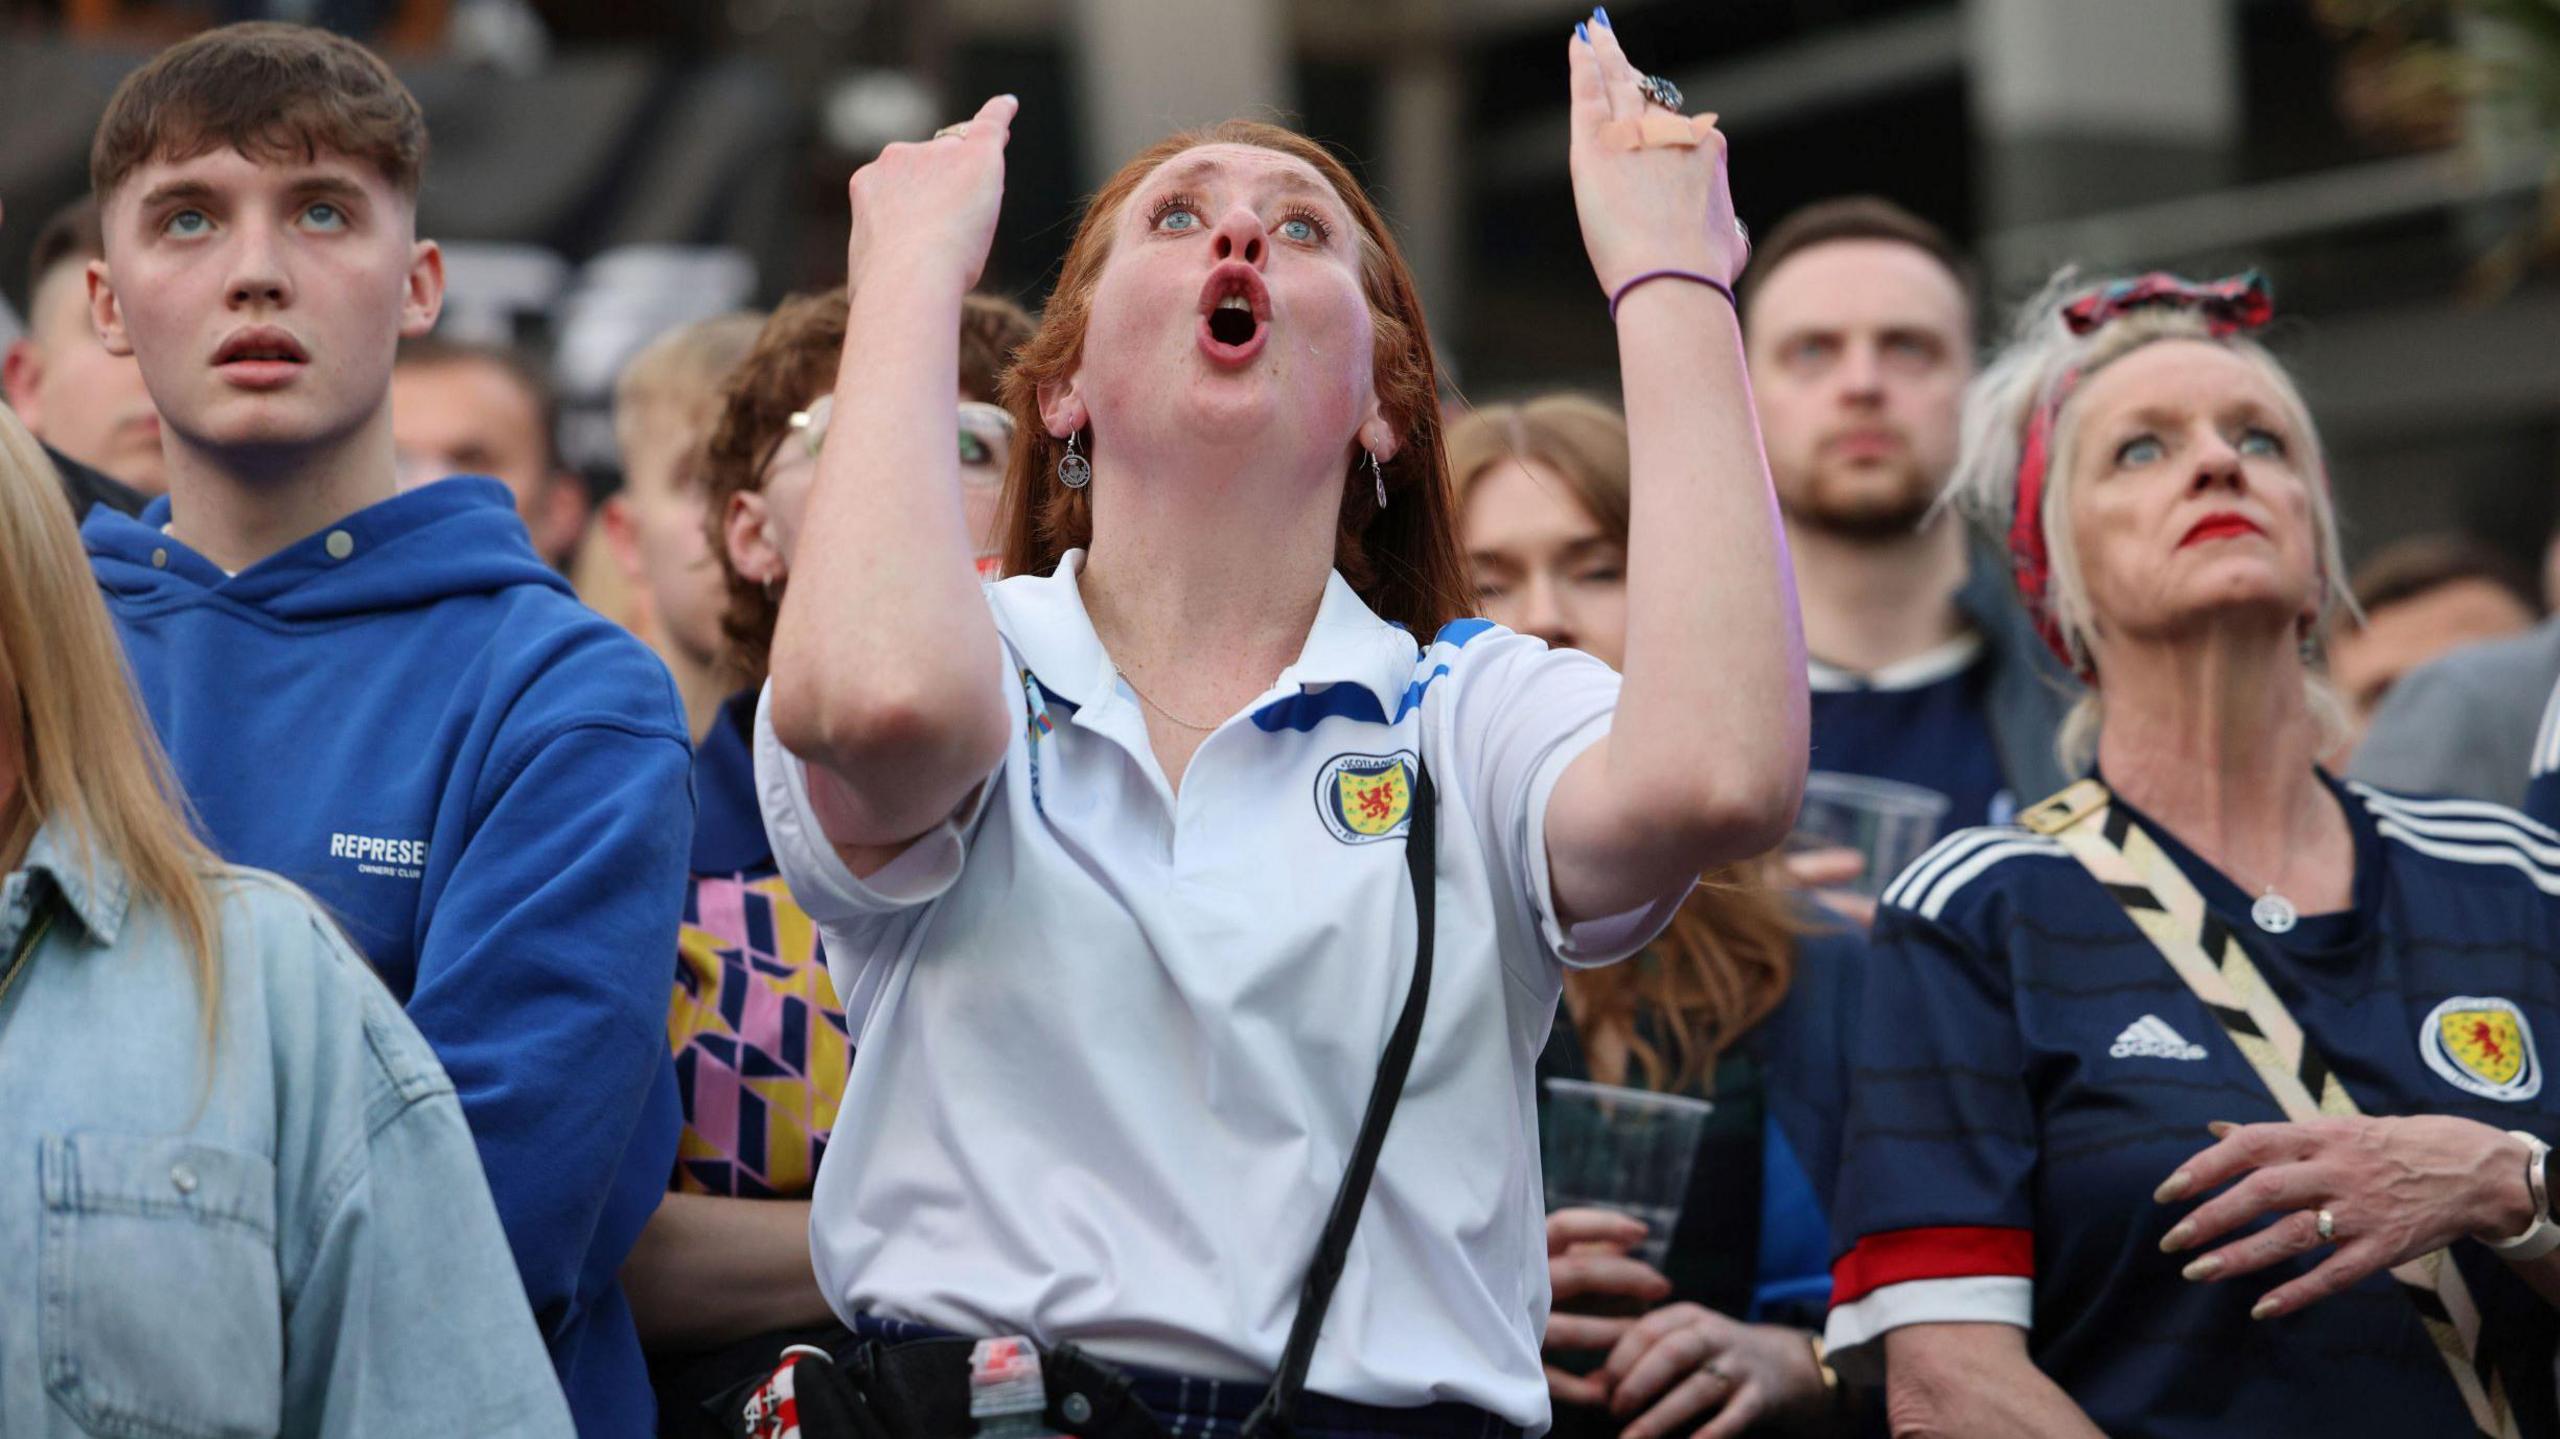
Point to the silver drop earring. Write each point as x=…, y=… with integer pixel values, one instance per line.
x=1073, y=471
x=1378, y=476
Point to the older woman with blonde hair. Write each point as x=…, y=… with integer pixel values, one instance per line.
x=2209, y=1100
x=241, y=1199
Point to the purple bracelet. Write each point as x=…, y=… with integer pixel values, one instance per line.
x=1719, y=286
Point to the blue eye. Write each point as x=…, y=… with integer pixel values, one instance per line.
x=185, y=223
x=1300, y=229
x=324, y=216
x=2264, y=443
x=1810, y=351
x=2139, y=451
x=1177, y=220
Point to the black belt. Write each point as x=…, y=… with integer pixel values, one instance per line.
x=920, y=1390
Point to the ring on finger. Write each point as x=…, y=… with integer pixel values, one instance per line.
x=2327, y=1224
x=1659, y=91
x=952, y=131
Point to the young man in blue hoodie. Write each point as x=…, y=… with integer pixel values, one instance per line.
x=390, y=697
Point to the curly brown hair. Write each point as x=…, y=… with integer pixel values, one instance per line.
x=794, y=362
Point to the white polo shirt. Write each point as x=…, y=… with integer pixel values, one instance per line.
x=1113, y=1045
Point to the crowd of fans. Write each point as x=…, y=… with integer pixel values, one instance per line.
x=1100, y=826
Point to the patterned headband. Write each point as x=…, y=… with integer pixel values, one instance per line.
x=2238, y=305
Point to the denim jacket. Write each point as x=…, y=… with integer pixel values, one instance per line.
x=295, y=1239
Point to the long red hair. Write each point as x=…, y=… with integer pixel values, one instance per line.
x=1403, y=560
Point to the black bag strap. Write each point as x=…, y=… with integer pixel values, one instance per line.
x=1275, y=1416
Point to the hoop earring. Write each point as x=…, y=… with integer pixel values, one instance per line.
x=1073, y=471
x=1379, y=478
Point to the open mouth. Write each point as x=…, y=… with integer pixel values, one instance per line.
x=1232, y=323
x=262, y=345
x=1235, y=313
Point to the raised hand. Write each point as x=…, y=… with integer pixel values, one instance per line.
x=926, y=211
x=1651, y=207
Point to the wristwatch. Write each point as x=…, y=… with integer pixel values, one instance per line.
x=2542, y=1236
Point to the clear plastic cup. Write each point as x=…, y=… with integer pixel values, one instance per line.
x=1887, y=822
x=1631, y=1150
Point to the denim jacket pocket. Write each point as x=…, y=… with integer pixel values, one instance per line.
x=161, y=1310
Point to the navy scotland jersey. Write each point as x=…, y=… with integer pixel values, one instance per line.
x=2029, y=1069
x=1925, y=722
x=2542, y=792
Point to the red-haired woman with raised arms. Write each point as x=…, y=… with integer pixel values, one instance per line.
x=1119, y=858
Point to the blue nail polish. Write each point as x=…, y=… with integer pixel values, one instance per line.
x=1602, y=14
x=1580, y=33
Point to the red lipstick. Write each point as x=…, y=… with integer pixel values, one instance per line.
x=2224, y=526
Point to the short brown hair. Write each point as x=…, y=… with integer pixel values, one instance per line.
x=519, y=369
x=991, y=329
x=273, y=92
x=70, y=236
x=794, y=362
x=1855, y=217
x=2408, y=568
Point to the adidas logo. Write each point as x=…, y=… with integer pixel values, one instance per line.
x=2150, y=1037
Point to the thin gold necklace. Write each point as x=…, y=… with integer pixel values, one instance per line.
x=1159, y=709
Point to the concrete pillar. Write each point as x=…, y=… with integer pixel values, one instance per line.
x=1145, y=68
x=2088, y=105
x=1420, y=171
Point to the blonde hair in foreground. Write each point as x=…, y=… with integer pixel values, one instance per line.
x=2041, y=351
x=89, y=763
x=1728, y=956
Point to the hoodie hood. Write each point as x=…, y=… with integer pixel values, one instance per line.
x=445, y=540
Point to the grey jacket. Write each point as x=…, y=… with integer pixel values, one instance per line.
x=2030, y=691
x=2464, y=725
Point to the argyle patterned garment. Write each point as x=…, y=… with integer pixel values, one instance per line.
x=760, y=1043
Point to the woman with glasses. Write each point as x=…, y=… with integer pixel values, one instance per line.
x=721, y=1279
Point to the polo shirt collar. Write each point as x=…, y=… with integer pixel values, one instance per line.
x=728, y=829
x=1347, y=645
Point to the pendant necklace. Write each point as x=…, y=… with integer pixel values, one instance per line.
x=2271, y=911
x=1159, y=709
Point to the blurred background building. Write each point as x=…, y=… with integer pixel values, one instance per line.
x=604, y=170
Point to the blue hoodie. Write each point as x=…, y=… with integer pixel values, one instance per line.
x=410, y=715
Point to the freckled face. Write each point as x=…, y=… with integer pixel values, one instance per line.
x=2192, y=498
x=1161, y=367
